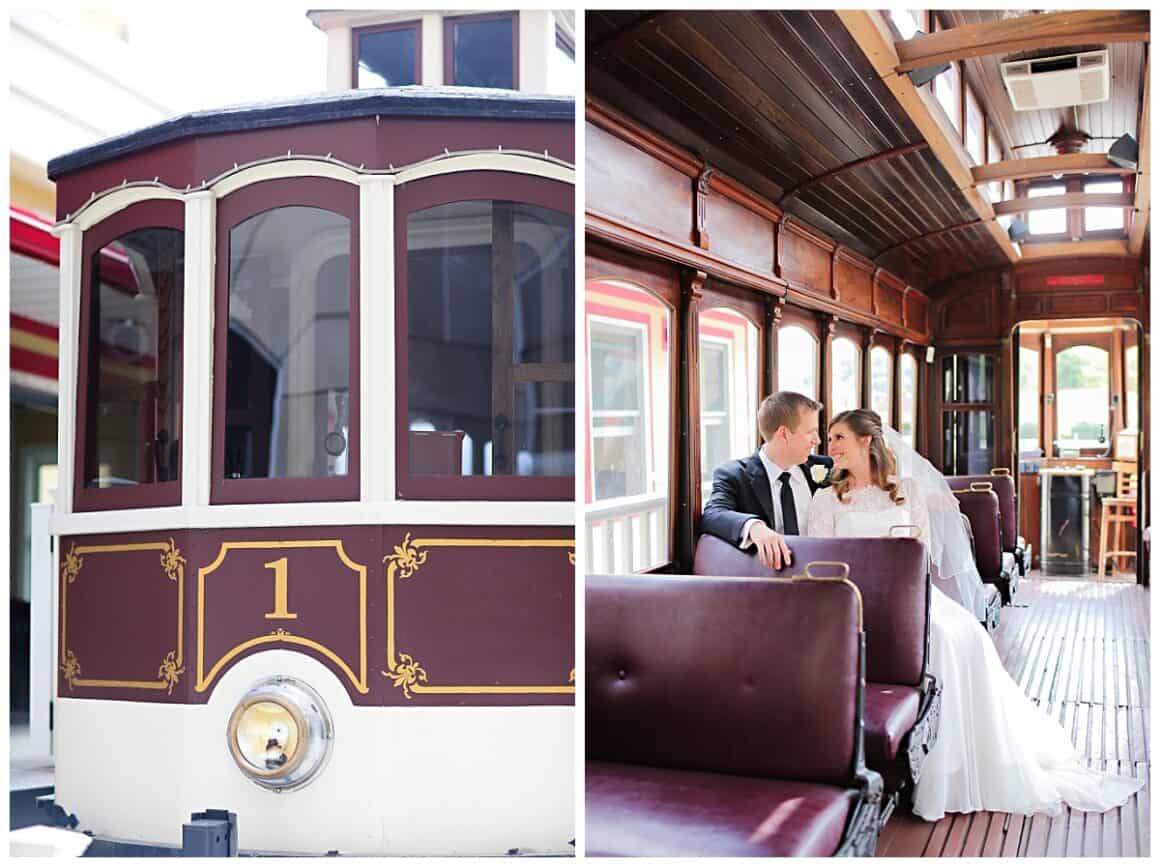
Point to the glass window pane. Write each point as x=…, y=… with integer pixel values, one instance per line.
x=628, y=427
x=1051, y=221
x=968, y=442
x=968, y=378
x=728, y=346
x=490, y=340
x=847, y=382
x=1095, y=219
x=881, y=382
x=908, y=393
x=387, y=58
x=288, y=352
x=946, y=91
x=135, y=347
x=1028, y=400
x=907, y=21
x=1081, y=400
x=797, y=361
x=483, y=53
x=1132, y=387
x=976, y=144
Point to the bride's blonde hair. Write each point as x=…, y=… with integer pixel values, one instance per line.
x=883, y=464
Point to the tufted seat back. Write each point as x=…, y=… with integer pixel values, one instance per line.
x=736, y=676
x=892, y=575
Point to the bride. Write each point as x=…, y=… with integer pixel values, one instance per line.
x=996, y=750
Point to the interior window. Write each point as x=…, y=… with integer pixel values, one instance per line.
x=797, y=361
x=881, y=382
x=1103, y=218
x=728, y=346
x=908, y=398
x=1132, y=387
x=1081, y=400
x=847, y=382
x=1049, y=221
x=1028, y=400
x=976, y=143
x=946, y=91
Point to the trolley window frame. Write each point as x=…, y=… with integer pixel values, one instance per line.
x=149, y=214
x=356, y=33
x=338, y=197
x=452, y=21
x=427, y=193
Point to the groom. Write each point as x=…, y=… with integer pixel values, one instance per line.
x=761, y=499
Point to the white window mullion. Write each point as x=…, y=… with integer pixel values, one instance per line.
x=377, y=338
x=68, y=347
x=197, y=348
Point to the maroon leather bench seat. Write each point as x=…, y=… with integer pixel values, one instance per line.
x=1004, y=487
x=724, y=717
x=901, y=702
x=639, y=810
x=991, y=595
x=996, y=566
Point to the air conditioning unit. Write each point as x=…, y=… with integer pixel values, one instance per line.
x=1054, y=82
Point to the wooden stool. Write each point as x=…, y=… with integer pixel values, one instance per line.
x=1116, y=512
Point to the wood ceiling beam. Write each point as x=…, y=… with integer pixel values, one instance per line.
x=1065, y=200
x=876, y=41
x=619, y=38
x=1026, y=33
x=1074, y=249
x=1037, y=167
x=856, y=164
x=946, y=229
x=1144, y=178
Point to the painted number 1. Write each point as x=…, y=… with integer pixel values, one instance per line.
x=280, y=581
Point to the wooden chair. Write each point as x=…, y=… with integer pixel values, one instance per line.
x=1115, y=513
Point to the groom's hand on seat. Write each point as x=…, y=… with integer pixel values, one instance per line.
x=772, y=550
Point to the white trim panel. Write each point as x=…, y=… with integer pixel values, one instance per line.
x=493, y=161
x=197, y=349
x=66, y=408
x=399, y=781
x=376, y=315
x=283, y=168
x=481, y=513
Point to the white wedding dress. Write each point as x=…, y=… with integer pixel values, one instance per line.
x=996, y=750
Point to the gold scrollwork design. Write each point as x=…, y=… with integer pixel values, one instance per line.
x=407, y=673
x=403, y=670
x=73, y=562
x=71, y=669
x=170, y=670
x=172, y=562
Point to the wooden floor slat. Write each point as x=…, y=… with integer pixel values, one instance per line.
x=1080, y=650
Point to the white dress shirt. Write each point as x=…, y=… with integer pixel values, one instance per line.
x=801, y=498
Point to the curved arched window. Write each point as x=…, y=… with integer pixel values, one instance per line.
x=728, y=351
x=881, y=382
x=485, y=316
x=908, y=398
x=797, y=361
x=627, y=426
x=129, y=396
x=847, y=384
x=1081, y=398
x=286, y=371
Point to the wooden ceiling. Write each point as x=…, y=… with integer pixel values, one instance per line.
x=778, y=100
x=1104, y=121
x=786, y=101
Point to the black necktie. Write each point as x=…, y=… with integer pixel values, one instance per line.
x=788, y=510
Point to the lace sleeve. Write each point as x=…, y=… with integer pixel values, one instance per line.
x=919, y=514
x=823, y=511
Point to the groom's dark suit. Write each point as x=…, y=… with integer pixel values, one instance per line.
x=741, y=491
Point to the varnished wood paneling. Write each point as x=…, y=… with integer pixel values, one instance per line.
x=853, y=283
x=624, y=182
x=1077, y=305
x=739, y=235
x=889, y=302
x=803, y=260
x=917, y=309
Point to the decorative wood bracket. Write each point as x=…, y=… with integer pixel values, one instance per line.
x=702, y=215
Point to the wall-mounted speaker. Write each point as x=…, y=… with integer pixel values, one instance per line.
x=1124, y=152
x=1018, y=230
x=930, y=355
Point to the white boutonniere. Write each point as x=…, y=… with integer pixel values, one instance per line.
x=820, y=474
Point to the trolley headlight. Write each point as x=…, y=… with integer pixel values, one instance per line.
x=280, y=733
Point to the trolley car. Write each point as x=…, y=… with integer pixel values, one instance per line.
x=870, y=209
x=315, y=520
